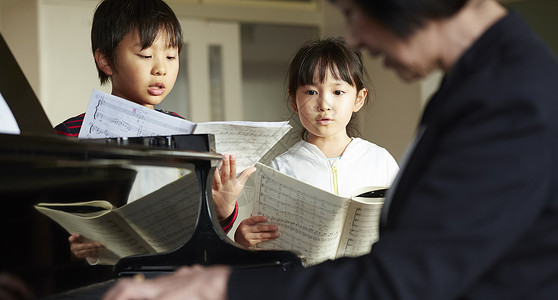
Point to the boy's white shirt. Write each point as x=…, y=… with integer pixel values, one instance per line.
x=362, y=164
x=149, y=179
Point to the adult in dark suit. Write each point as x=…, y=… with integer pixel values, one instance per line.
x=474, y=212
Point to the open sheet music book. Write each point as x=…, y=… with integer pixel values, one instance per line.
x=158, y=222
x=109, y=116
x=314, y=223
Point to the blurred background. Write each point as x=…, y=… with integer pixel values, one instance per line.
x=233, y=67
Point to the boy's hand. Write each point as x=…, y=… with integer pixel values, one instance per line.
x=226, y=186
x=82, y=249
x=251, y=231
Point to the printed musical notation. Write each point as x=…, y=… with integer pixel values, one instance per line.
x=363, y=230
x=314, y=223
x=110, y=116
x=158, y=222
x=249, y=141
x=311, y=230
x=171, y=222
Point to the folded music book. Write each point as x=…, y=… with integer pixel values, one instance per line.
x=158, y=222
x=314, y=223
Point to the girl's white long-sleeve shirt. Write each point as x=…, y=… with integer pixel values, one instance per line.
x=362, y=164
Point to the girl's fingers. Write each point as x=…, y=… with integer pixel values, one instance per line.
x=255, y=220
x=243, y=177
x=216, y=178
x=232, y=159
x=225, y=168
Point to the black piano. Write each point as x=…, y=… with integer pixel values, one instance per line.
x=39, y=166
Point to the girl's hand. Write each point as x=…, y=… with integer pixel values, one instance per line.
x=251, y=231
x=82, y=249
x=226, y=186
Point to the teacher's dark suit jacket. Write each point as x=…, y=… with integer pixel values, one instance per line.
x=474, y=212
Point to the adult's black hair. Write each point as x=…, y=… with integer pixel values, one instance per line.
x=113, y=19
x=403, y=17
x=319, y=57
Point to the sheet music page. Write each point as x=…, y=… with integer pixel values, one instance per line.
x=166, y=218
x=310, y=220
x=249, y=141
x=362, y=226
x=8, y=123
x=284, y=144
x=110, y=116
x=105, y=227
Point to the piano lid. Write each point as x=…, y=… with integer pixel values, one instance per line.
x=65, y=151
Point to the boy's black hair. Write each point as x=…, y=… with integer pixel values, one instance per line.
x=113, y=19
x=403, y=17
x=328, y=54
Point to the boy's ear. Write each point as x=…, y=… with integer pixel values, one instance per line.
x=359, y=102
x=103, y=62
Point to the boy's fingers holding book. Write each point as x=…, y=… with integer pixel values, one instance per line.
x=83, y=250
x=73, y=238
x=76, y=238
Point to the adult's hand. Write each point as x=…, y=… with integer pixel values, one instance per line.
x=195, y=282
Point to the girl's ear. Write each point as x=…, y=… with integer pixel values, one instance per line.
x=103, y=63
x=293, y=103
x=359, y=102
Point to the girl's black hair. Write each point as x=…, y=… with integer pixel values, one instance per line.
x=320, y=57
x=113, y=19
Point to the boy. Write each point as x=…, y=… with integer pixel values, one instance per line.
x=136, y=44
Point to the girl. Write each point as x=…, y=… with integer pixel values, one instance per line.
x=326, y=89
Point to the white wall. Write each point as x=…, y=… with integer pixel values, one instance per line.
x=68, y=72
x=266, y=53
x=19, y=25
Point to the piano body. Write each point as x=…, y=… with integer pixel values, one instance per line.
x=39, y=166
